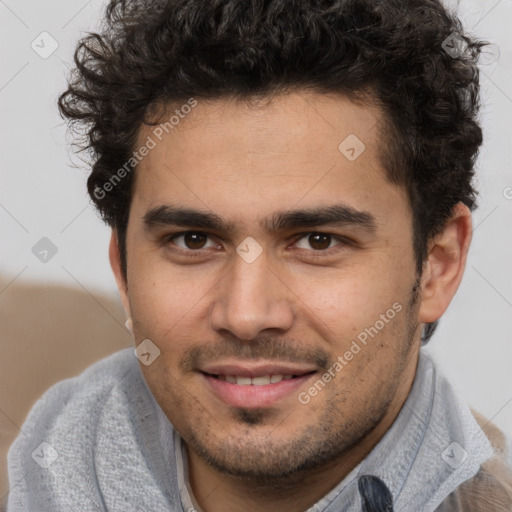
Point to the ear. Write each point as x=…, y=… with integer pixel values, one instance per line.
x=115, y=262
x=445, y=264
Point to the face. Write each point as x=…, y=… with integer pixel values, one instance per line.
x=274, y=270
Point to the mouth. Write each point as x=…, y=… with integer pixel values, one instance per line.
x=255, y=387
x=264, y=380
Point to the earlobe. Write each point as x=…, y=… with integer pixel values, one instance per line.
x=115, y=263
x=445, y=264
x=129, y=325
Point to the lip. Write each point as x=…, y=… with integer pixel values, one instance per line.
x=256, y=369
x=251, y=396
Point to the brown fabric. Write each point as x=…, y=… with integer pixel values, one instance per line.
x=47, y=334
x=490, y=490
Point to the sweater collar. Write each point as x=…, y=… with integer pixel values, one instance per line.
x=432, y=447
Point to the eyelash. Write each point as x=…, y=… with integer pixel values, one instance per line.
x=343, y=241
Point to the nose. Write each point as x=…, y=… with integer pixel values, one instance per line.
x=250, y=299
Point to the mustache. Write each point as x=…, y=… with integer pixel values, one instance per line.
x=272, y=349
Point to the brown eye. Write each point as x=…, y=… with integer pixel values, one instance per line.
x=316, y=241
x=194, y=240
x=319, y=241
x=191, y=240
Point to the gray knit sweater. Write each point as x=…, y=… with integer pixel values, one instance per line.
x=100, y=442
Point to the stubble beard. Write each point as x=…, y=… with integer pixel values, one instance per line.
x=272, y=464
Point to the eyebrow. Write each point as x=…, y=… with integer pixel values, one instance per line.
x=339, y=215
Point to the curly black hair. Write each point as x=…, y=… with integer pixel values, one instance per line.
x=409, y=57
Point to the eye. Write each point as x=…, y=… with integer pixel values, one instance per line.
x=191, y=240
x=313, y=242
x=318, y=241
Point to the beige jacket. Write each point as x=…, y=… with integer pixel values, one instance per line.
x=490, y=490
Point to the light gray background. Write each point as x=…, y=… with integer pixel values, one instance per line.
x=42, y=196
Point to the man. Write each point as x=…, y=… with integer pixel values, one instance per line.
x=289, y=189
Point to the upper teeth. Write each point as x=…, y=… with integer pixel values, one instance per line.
x=255, y=381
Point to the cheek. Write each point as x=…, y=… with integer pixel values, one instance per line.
x=349, y=299
x=162, y=297
x=168, y=299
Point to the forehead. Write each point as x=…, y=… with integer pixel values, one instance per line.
x=234, y=157
x=297, y=123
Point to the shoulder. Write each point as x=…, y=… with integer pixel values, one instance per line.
x=63, y=431
x=79, y=397
x=491, y=487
